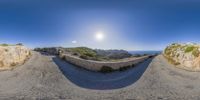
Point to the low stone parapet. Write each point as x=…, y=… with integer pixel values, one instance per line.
x=97, y=65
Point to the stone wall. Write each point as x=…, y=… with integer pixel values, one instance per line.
x=11, y=56
x=97, y=65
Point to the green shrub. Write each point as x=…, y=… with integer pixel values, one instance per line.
x=167, y=51
x=84, y=57
x=172, y=61
x=177, y=55
x=63, y=57
x=89, y=54
x=189, y=49
x=75, y=54
x=125, y=67
x=13, y=64
x=195, y=52
x=106, y=69
x=4, y=44
x=151, y=56
x=6, y=50
x=176, y=63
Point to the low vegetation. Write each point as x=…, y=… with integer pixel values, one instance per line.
x=173, y=52
x=4, y=44
x=106, y=69
x=97, y=54
x=84, y=53
x=189, y=48
x=126, y=67
x=195, y=52
x=172, y=61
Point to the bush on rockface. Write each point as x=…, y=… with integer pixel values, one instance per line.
x=106, y=69
x=75, y=54
x=189, y=49
x=62, y=57
x=126, y=67
x=171, y=60
x=195, y=52
x=84, y=57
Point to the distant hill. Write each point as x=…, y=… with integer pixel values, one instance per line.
x=113, y=54
x=97, y=54
x=88, y=53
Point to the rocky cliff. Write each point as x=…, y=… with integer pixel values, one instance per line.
x=11, y=56
x=185, y=56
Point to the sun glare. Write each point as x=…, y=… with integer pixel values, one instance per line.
x=99, y=36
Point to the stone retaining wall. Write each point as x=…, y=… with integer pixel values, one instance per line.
x=97, y=65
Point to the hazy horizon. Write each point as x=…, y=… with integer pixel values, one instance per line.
x=103, y=24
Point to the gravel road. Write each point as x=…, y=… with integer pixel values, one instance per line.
x=48, y=78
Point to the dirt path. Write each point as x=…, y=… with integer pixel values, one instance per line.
x=41, y=78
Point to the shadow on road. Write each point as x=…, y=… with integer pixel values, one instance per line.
x=99, y=81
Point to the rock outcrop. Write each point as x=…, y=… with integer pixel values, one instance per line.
x=11, y=56
x=185, y=56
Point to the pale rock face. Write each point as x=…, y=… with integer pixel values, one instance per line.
x=185, y=56
x=11, y=56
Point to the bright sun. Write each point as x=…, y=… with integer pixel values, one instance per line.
x=99, y=36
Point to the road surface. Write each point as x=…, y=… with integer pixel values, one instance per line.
x=47, y=77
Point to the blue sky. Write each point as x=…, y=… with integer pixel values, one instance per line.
x=126, y=24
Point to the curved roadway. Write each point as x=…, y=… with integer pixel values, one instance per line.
x=47, y=77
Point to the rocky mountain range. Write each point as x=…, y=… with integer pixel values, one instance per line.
x=88, y=53
x=113, y=54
